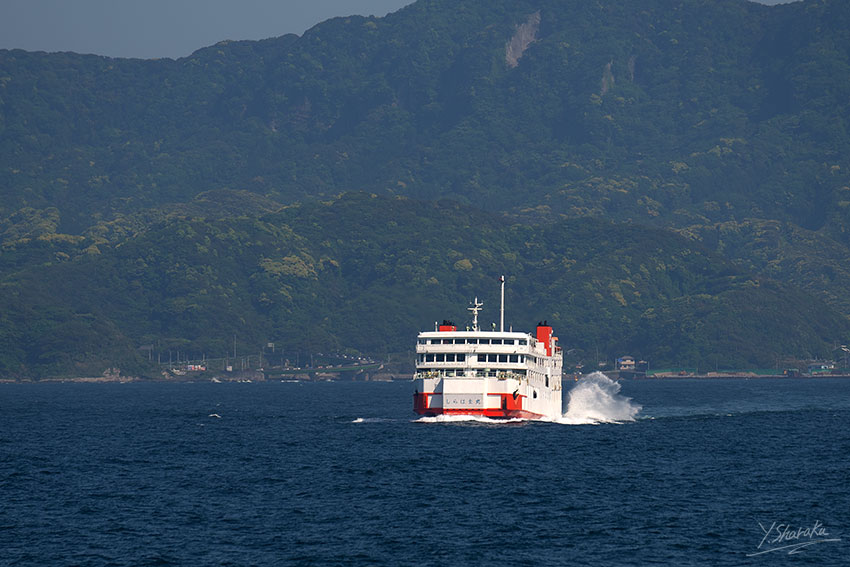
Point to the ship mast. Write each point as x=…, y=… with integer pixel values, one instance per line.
x=502, y=312
x=476, y=307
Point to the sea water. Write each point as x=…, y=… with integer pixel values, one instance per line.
x=682, y=472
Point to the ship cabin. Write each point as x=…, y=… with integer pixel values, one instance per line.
x=447, y=352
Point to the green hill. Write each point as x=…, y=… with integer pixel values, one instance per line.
x=574, y=125
x=365, y=274
x=661, y=111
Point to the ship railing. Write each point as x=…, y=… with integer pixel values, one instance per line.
x=428, y=374
x=509, y=375
x=439, y=374
x=479, y=373
x=474, y=349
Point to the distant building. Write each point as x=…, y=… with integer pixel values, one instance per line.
x=626, y=363
x=821, y=368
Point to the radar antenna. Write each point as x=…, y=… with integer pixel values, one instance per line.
x=476, y=308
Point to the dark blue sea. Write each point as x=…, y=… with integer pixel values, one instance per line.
x=711, y=472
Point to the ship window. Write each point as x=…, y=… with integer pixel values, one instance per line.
x=484, y=341
x=523, y=342
x=429, y=358
x=514, y=358
x=440, y=358
x=535, y=393
x=547, y=380
x=496, y=342
x=461, y=357
x=503, y=358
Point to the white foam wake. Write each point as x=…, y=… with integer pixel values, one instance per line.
x=596, y=399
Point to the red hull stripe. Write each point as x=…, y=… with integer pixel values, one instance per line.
x=494, y=413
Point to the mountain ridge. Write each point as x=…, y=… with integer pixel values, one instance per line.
x=722, y=122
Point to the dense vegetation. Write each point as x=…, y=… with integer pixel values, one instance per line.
x=365, y=273
x=153, y=202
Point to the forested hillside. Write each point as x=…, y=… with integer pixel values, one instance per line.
x=667, y=177
x=363, y=274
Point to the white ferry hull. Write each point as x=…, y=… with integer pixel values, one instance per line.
x=497, y=398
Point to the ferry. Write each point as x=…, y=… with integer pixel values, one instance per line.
x=495, y=374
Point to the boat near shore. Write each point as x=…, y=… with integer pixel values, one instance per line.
x=495, y=374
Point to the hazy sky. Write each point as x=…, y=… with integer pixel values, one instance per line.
x=163, y=28
x=166, y=28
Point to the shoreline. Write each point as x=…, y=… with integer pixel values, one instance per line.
x=384, y=378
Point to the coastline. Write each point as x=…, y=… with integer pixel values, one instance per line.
x=239, y=377
x=327, y=377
